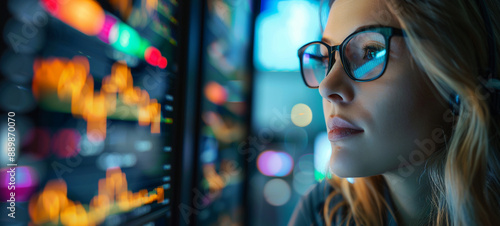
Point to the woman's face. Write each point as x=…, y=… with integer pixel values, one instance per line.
x=397, y=112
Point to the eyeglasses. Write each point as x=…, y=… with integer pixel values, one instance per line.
x=364, y=55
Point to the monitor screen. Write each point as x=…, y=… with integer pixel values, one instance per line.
x=89, y=96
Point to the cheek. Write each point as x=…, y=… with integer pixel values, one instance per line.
x=402, y=111
x=394, y=108
x=407, y=111
x=402, y=100
x=408, y=104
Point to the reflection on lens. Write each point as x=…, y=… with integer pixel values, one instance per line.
x=366, y=55
x=315, y=63
x=369, y=68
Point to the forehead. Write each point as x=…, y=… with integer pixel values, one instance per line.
x=347, y=15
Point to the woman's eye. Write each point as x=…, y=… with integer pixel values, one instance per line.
x=372, y=52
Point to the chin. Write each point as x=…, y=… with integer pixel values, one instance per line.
x=351, y=172
x=347, y=164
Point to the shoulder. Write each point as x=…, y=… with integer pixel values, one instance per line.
x=309, y=210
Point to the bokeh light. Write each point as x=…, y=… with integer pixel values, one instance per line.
x=152, y=55
x=301, y=115
x=263, y=161
x=322, y=153
x=111, y=160
x=303, y=174
x=86, y=16
x=127, y=40
x=162, y=63
x=94, y=106
x=273, y=163
x=279, y=33
x=25, y=183
x=306, y=162
x=90, y=148
x=65, y=143
x=286, y=164
x=104, y=34
x=89, y=17
x=143, y=145
x=216, y=93
x=53, y=205
x=277, y=192
x=52, y=6
x=209, y=152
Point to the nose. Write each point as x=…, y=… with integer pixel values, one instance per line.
x=337, y=87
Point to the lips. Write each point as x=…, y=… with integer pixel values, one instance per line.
x=339, y=128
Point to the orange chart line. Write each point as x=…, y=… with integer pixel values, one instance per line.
x=53, y=206
x=72, y=82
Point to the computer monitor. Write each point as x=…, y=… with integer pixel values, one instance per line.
x=92, y=98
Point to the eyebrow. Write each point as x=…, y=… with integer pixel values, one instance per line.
x=329, y=41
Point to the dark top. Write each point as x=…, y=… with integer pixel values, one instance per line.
x=309, y=210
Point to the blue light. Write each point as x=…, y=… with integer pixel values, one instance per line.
x=209, y=150
x=286, y=164
x=370, y=65
x=279, y=34
x=322, y=153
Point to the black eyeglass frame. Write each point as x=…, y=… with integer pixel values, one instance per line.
x=387, y=32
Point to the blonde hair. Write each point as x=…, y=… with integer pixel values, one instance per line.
x=447, y=40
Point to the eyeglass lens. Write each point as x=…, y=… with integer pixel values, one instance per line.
x=364, y=57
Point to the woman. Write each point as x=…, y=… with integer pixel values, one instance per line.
x=408, y=92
